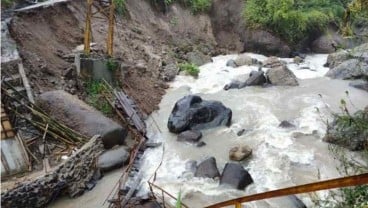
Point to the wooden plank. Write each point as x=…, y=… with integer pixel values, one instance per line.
x=132, y=114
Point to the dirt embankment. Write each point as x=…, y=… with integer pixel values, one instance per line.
x=147, y=41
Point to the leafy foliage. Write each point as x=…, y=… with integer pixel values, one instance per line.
x=293, y=19
x=95, y=97
x=190, y=69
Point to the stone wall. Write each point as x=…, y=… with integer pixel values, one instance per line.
x=73, y=177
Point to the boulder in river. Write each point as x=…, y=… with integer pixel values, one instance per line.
x=350, y=69
x=244, y=59
x=112, y=158
x=359, y=84
x=282, y=76
x=191, y=136
x=273, y=62
x=207, y=169
x=286, y=124
x=193, y=113
x=255, y=78
x=231, y=63
x=240, y=153
x=235, y=176
x=79, y=116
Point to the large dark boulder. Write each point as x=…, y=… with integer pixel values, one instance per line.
x=207, y=169
x=79, y=116
x=328, y=42
x=282, y=76
x=193, y=113
x=235, y=176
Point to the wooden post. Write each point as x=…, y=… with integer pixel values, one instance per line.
x=110, y=35
x=87, y=30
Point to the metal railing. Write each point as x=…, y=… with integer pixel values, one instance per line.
x=318, y=186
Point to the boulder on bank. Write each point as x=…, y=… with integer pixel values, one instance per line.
x=350, y=69
x=81, y=117
x=112, y=158
x=197, y=58
x=327, y=43
x=282, y=76
x=191, y=136
x=263, y=42
x=193, y=113
x=235, y=176
x=240, y=153
x=207, y=169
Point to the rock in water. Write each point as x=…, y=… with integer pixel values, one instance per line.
x=240, y=153
x=359, y=84
x=282, y=76
x=235, y=176
x=231, y=63
x=243, y=59
x=81, y=117
x=350, y=69
x=112, y=158
x=190, y=136
x=193, y=113
x=273, y=62
x=207, y=169
x=256, y=78
x=286, y=124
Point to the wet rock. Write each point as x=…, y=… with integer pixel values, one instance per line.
x=201, y=144
x=256, y=78
x=169, y=72
x=286, y=124
x=235, y=176
x=244, y=59
x=335, y=59
x=233, y=85
x=207, y=169
x=241, y=132
x=296, y=202
x=359, y=52
x=193, y=113
x=198, y=58
x=273, y=62
x=79, y=116
x=350, y=69
x=282, y=76
x=112, y=158
x=231, y=63
x=298, y=60
x=360, y=84
x=240, y=153
x=191, y=136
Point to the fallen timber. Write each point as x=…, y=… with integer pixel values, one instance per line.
x=130, y=115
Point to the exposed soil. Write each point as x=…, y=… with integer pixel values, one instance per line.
x=146, y=40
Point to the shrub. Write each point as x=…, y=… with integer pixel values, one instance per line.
x=95, y=97
x=293, y=19
x=190, y=69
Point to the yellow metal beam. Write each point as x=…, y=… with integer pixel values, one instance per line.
x=110, y=34
x=87, y=29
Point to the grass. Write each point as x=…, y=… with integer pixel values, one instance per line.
x=190, y=69
x=196, y=6
x=95, y=97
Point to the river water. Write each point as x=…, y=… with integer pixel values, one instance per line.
x=281, y=157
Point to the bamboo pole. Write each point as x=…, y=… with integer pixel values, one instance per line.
x=87, y=29
x=110, y=35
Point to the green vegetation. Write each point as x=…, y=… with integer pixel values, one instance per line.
x=196, y=6
x=178, y=202
x=349, y=126
x=95, y=97
x=293, y=19
x=112, y=64
x=120, y=6
x=190, y=69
